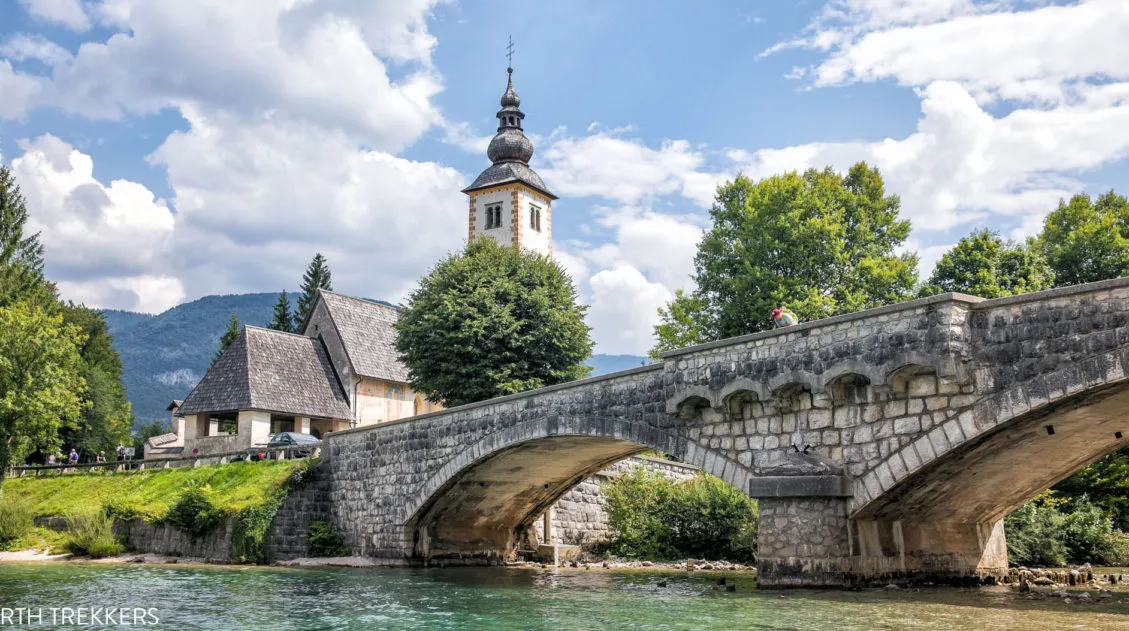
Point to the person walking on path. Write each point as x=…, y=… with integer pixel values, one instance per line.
x=783, y=316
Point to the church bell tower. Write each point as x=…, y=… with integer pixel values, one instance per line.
x=508, y=201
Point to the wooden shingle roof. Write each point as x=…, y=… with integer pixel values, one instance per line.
x=271, y=370
x=368, y=332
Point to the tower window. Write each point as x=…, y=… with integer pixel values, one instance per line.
x=535, y=218
x=493, y=216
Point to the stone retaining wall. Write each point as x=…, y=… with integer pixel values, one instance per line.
x=165, y=539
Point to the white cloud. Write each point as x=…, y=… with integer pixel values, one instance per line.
x=68, y=13
x=624, y=309
x=22, y=47
x=326, y=62
x=603, y=164
x=20, y=91
x=256, y=199
x=104, y=244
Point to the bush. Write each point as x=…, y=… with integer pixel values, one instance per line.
x=92, y=534
x=656, y=518
x=1050, y=531
x=1034, y=536
x=16, y=519
x=325, y=542
x=195, y=513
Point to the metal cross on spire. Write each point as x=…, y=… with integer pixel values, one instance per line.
x=510, y=55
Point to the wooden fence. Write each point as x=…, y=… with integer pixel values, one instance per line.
x=273, y=453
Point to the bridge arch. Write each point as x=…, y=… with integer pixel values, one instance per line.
x=477, y=504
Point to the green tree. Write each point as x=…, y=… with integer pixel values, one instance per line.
x=818, y=242
x=21, y=255
x=40, y=386
x=283, y=320
x=1086, y=240
x=682, y=323
x=107, y=418
x=234, y=328
x=490, y=321
x=317, y=277
x=983, y=264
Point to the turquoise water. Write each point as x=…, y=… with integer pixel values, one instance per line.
x=498, y=599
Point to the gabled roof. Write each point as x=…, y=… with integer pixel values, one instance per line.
x=271, y=370
x=368, y=332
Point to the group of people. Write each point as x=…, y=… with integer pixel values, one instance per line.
x=72, y=457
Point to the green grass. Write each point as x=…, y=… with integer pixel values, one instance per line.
x=150, y=494
x=39, y=539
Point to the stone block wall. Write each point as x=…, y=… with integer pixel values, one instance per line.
x=165, y=539
x=307, y=502
x=580, y=517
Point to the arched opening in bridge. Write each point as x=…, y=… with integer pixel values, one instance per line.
x=481, y=513
x=849, y=389
x=946, y=517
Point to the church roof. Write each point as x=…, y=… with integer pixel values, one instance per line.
x=510, y=150
x=506, y=172
x=271, y=370
x=368, y=332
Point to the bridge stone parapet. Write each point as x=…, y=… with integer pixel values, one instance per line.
x=925, y=416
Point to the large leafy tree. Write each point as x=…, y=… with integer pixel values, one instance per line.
x=819, y=242
x=41, y=387
x=107, y=418
x=317, y=277
x=985, y=265
x=283, y=320
x=1087, y=240
x=683, y=322
x=490, y=321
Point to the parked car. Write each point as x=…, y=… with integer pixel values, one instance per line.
x=305, y=443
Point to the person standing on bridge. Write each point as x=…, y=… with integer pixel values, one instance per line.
x=783, y=316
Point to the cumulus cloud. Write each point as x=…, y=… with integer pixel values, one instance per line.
x=327, y=61
x=104, y=244
x=606, y=165
x=255, y=200
x=67, y=13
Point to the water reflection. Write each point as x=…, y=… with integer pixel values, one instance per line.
x=274, y=598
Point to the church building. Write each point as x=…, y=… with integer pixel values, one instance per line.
x=342, y=369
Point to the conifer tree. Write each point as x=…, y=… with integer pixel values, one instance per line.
x=21, y=255
x=317, y=277
x=234, y=327
x=283, y=320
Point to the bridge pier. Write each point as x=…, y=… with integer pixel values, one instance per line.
x=807, y=537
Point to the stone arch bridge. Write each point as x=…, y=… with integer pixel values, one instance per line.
x=882, y=445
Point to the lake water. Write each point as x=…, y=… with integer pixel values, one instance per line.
x=497, y=598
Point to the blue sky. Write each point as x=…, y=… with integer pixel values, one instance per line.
x=174, y=150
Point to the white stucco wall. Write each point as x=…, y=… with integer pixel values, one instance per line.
x=504, y=233
x=531, y=239
x=377, y=404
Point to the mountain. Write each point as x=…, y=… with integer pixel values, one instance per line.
x=164, y=356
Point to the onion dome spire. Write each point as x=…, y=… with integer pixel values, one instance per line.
x=510, y=145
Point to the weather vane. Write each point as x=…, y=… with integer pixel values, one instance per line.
x=510, y=53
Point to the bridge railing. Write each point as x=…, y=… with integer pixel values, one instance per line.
x=272, y=453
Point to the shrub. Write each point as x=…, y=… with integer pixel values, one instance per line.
x=656, y=518
x=92, y=534
x=195, y=513
x=1034, y=535
x=325, y=542
x=16, y=519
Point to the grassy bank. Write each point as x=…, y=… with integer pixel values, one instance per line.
x=248, y=492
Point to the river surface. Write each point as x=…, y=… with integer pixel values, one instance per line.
x=203, y=597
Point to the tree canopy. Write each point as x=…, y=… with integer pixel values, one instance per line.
x=983, y=264
x=317, y=277
x=234, y=328
x=283, y=320
x=40, y=385
x=490, y=321
x=1087, y=240
x=21, y=255
x=818, y=242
